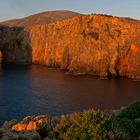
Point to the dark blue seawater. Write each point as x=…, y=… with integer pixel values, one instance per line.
x=28, y=90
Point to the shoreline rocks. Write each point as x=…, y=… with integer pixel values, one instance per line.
x=29, y=128
x=112, y=124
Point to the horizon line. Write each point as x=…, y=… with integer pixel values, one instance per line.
x=88, y=13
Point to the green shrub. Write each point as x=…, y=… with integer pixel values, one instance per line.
x=131, y=112
x=128, y=120
x=131, y=127
x=89, y=125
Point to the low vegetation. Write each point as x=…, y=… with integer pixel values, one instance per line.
x=97, y=125
x=88, y=125
x=131, y=112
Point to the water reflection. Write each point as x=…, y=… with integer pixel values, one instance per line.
x=26, y=90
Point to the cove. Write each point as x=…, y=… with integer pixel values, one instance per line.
x=35, y=89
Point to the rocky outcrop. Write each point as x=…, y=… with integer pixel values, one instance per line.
x=94, y=44
x=30, y=128
x=90, y=124
x=38, y=123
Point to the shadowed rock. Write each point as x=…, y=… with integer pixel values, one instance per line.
x=15, y=45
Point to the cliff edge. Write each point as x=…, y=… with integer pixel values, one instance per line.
x=94, y=44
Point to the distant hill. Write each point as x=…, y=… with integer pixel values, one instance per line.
x=41, y=18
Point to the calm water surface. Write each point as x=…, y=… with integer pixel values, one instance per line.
x=27, y=90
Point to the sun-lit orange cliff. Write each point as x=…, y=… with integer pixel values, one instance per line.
x=93, y=44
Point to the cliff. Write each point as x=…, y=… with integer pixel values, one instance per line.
x=94, y=44
x=15, y=46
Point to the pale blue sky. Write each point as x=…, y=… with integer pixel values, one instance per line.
x=20, y=8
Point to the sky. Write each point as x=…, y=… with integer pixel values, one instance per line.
x=11, y=9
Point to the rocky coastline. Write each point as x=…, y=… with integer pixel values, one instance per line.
x=91, y=124
x=100, y=45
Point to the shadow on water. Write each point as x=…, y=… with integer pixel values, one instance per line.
x=27, y=90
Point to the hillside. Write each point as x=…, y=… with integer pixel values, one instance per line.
x=41, y=18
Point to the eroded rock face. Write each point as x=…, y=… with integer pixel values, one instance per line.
x=15, y=45
x=94, y=44
x=31, y=123
x=29, y=128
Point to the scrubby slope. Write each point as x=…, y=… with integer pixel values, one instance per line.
x=41, y=18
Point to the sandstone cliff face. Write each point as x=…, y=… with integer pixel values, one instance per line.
x=94, y=44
